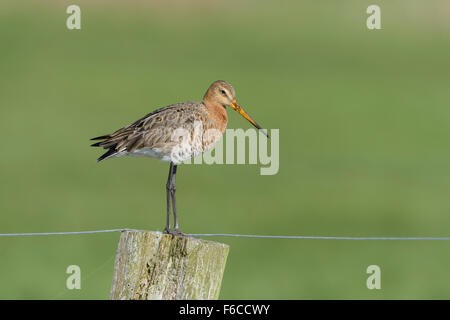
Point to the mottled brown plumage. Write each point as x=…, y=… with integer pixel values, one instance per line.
x=156, y=132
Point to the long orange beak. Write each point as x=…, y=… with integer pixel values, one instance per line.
x=241, y=111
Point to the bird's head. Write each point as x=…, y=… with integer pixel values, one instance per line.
x=221, y=92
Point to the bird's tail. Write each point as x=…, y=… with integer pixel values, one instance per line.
x=107, y=154
x=111, y=151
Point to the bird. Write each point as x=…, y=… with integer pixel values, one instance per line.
x=176, y=133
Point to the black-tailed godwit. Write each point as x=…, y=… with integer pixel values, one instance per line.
x=176, y=133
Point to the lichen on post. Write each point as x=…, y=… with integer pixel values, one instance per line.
x=152, y=265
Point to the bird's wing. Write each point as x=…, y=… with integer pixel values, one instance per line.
x=154, y=130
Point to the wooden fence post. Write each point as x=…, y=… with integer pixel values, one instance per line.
x=152, y=265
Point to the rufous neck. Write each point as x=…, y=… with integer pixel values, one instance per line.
x=217, y=112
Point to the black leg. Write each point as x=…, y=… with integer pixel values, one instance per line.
x=174, y=207
x=171, y=188
x=168, y=195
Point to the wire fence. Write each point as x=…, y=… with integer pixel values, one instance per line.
x=227, y=235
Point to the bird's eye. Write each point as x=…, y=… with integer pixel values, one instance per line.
x=223, y=92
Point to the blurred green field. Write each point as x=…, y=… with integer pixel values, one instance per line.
x=364, y=142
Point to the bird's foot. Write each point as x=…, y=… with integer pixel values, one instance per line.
x=176, y=232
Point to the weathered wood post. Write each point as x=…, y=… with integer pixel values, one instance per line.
x=152, y=265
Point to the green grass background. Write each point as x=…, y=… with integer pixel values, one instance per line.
x=364, y=141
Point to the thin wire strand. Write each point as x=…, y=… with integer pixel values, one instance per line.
x=317, y=237
x=230, y=235
x=62, y=233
